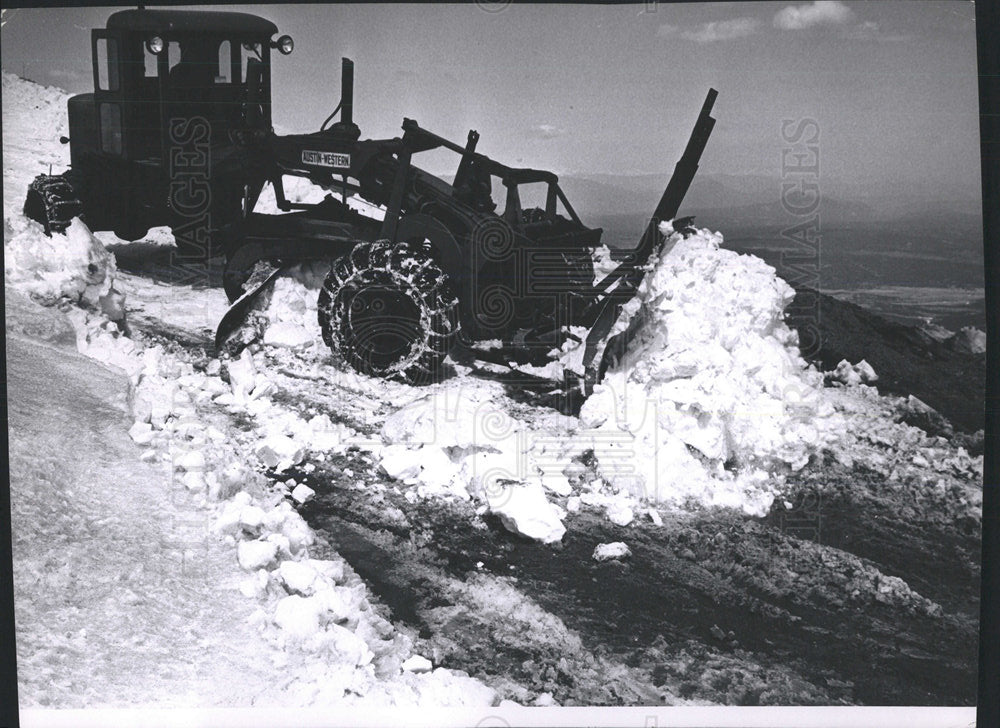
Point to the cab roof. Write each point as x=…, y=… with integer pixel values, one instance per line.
x=191, y=21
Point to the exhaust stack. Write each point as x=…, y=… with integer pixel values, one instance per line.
x=347, y=92
x=345, y=129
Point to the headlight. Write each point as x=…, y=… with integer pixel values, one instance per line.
x=155, y=45
x=285, y=44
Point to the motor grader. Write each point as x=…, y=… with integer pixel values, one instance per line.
x=178, y=133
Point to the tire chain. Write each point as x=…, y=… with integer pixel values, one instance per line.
x=411, y=267
x=59, y=202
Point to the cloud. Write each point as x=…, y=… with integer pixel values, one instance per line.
x=715, y=30
x=820, y=12
x=546, y=131
x=871, y=31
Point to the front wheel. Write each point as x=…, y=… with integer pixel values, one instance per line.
x=389, y=311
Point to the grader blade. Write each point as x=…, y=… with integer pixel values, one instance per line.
x=620, y=286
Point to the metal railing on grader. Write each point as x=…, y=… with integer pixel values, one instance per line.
x=178, y=133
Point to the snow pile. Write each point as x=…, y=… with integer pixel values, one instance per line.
x=853, y=374
x=712, y=404
x=315, y=612
x=712, y=397
x=74, y=267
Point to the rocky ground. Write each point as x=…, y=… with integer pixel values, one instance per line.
x=909, y=360
x=859, y=585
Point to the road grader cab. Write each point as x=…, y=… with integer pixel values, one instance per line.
x=152, y=145
x=178, y=133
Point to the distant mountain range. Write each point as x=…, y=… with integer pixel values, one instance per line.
x=755, y=200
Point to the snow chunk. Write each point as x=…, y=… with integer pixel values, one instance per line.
x=339, y=603
x=400, y=462
x=620, y=513
x=242, y=375
x=297, y=616
x=417, y=663
x=298, y=576
x=852, y=375
x=251, y=517
x=288, y=335
x=608, y=551
x=351, y=648
x=254, y=555
x=302, y=493
x=290, y=315
x=557, y=483
x=141, y=433
x=296, y=532
x=523, y=509
x=254, y=586
x=280, y=452
x=191, y=461
x=969, y=340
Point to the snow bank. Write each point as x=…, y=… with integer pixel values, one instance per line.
x=317, y=611
x=34, y=117
x=713, y=396
x=73, y=268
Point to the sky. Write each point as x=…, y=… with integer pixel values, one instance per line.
x=616, y=89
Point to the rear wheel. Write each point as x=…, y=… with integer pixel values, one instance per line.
x=389, y=311
x=52, y=201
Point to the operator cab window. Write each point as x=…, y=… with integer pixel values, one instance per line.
x=111, y=128
x=173, y=55
x=150, y=63
x=107, y=64
x=533, y=197
x=196, y=65
x=248, y=51
x=224, y=73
